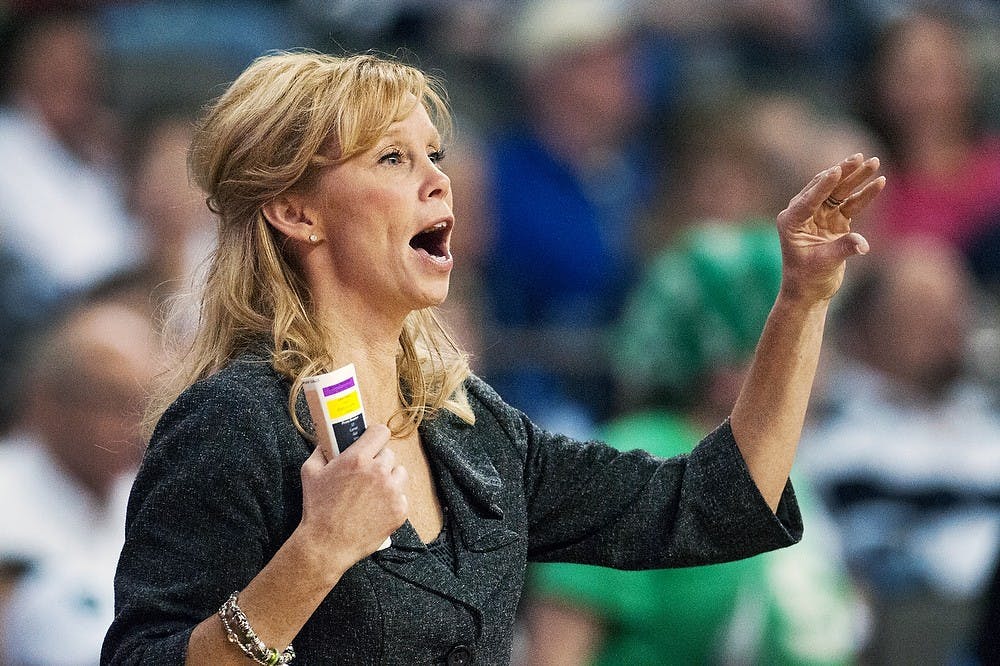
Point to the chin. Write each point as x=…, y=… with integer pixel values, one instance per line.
x=437, y=299
x=430, y=298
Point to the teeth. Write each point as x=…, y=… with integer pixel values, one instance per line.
x=437, y=227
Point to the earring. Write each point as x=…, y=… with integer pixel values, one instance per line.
x=313, y=238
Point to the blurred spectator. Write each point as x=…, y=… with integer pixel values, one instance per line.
x=907, y=454
x=60, y=208
x=682, y=348
x=923, y=95
x=65, y=473
x=564, y=186
x=178, y=228
x=711, y=170
x=459, y=40
x=798, y=137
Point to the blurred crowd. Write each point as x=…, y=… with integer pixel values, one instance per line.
x=617, y=166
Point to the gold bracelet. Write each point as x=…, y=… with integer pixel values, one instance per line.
x=244, y=637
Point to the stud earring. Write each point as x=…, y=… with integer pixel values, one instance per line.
x=313, y=238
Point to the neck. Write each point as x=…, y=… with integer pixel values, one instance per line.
x=371, y=344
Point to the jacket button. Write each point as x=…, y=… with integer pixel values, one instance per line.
x=460, y=655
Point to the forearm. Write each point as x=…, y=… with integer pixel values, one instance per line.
x=770, y=411
x=277, y=602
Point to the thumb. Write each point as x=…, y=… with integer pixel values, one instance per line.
x=851, y=244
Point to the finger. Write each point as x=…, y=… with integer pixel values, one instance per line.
x=860, y=200
x=371, y=441
x=802, y=205
x=386, y=458
x=314, y=465
x=316, y=460
x=849, y=165
x=849, y=183
x=815, y=179
x=399, y=475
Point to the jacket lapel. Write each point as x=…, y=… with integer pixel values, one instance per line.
x=471, y=488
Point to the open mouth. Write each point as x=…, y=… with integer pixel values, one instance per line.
x=433, y=241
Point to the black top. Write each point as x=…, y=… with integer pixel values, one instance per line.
x=219, y=491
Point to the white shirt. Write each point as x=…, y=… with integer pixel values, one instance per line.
x=72, y=544
x=63, y=214
x=904, y=451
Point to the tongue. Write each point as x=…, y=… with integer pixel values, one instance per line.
x=428, y=242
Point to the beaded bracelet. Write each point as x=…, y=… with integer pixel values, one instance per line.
x=247, y=640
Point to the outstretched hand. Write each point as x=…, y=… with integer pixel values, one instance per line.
x=815, y=228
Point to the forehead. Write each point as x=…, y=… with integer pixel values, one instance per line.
x=416, y=125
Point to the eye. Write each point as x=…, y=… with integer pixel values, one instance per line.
x=436, y=156
x=392, y=157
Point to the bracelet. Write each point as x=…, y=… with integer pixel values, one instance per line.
x=244, y=637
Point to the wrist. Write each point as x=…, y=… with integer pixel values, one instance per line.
x=791, y=300
x=316, y=559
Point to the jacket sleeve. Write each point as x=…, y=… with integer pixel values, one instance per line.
x=203, y=519
x=590, y=503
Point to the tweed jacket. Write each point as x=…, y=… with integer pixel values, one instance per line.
x=219, y=491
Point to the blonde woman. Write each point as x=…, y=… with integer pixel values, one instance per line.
x=334, y=229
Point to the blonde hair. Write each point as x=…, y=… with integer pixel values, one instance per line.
x=272, y=131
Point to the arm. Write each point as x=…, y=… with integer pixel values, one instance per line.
x=224, y=502
x=816, y=239
x=338, y=528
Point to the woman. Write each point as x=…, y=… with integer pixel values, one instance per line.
x=335, y=222
x=923, y=93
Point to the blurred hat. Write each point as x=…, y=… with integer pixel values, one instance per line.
x=544, y=29
x=701, y=304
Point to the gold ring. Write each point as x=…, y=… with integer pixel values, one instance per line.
x=831, y=202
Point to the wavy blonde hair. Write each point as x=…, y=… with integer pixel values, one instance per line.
x=272, y=131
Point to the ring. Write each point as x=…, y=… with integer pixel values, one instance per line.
x=831, y=202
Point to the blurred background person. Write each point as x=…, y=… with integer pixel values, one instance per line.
x=564, y=185
x=65, y=472
x=61, y=207
x=905, y=452
x=924, y=96
x=734, y=158
x=177, y=228
x=681, y=350
x=710, y=170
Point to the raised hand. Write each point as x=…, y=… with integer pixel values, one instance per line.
x=815, y=228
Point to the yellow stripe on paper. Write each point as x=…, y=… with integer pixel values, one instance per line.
x=345, y=404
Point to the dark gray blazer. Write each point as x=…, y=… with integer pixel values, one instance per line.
x=219, y=491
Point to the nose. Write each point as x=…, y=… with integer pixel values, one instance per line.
x=437, y=184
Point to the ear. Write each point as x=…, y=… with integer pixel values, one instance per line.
x=287, y=214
